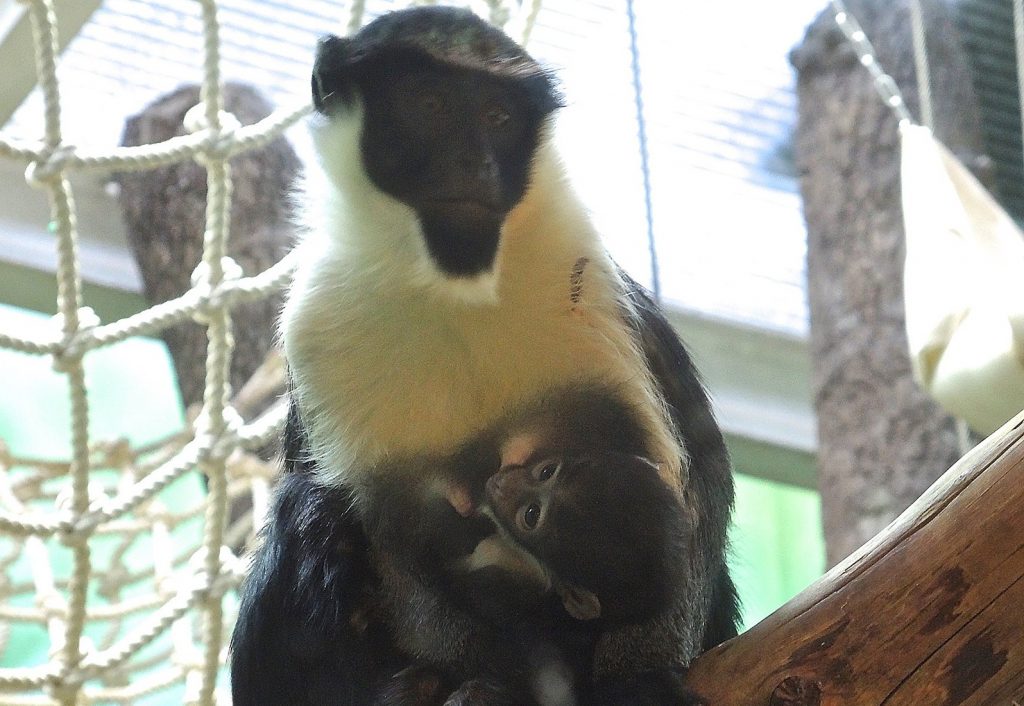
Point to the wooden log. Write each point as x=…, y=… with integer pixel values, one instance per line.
x=930, y=612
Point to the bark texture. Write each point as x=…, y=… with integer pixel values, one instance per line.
x=164, y=212
x=927, y=613
x=882, y=440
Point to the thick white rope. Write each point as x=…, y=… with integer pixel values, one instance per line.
x=258, y=433
x=499, y=12
x=357, y=11
x=200, y=298
x=69, y=300
x=529, y=21
x=222, y=144
x=885, y=85
x=187, y=581
x=215, y=396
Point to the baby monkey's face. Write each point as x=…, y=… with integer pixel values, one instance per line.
x=568, y=508
x=522, y=497
x=602, y=522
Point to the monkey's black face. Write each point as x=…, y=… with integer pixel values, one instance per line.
x=456, y=146
x=453, y=141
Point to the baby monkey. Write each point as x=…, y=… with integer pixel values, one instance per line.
x=607, y=533
x=557, y=533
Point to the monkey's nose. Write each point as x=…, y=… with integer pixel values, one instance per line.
x=493, y=485
x=496, y=485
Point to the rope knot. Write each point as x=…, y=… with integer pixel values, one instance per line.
x=41, y=172
x=219, y=139
x=213, y=297
x=76, y=533
x=73, y=344
x=218, y=438
x=212, y=586
x=52, y=605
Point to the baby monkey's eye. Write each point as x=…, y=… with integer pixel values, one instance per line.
x=530, y=516
x=546, y=470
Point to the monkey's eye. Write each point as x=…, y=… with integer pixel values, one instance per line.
x=496, y=115
x=546, y=470
x=529, y=516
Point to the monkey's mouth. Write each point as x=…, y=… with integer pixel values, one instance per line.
x=462, y=235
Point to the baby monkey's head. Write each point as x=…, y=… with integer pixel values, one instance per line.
x=603, y=523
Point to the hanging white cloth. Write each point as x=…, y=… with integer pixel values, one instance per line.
x=964, y=286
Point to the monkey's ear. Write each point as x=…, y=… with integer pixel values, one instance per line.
x=332, y=56
x=578, y=601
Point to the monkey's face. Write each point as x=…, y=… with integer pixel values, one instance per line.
x=602, y=522
x=521, y=498
x=454, y=145
x=452, y=137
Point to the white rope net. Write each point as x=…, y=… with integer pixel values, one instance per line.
x=174, y=632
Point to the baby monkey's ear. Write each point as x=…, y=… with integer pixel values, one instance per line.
x=578, y=601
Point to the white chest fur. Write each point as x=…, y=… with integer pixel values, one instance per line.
x=388, y=363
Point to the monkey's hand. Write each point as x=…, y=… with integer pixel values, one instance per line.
x=487, y=692
x=460, y=526
x=662, y=687
x=418, y=685
x=460, y=499
x=424, y=686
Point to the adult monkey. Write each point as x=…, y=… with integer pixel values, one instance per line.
x=451, y=277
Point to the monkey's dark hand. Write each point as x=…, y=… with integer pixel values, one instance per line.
x=499, y=597
x=485, y=691
x=425, y=686
x=662, y=687
x=418, y=685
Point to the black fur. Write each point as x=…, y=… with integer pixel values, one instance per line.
x=308, y=631
x=710, y=483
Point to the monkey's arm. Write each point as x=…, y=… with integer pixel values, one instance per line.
x=306, y=633
x=710, y=489
x=642, y=664
x=311, y=629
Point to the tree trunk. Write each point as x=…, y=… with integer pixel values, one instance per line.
x=882, y=440
x=164, y=211
x=926, y=614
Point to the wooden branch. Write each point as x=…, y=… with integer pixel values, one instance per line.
x=929, y=612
